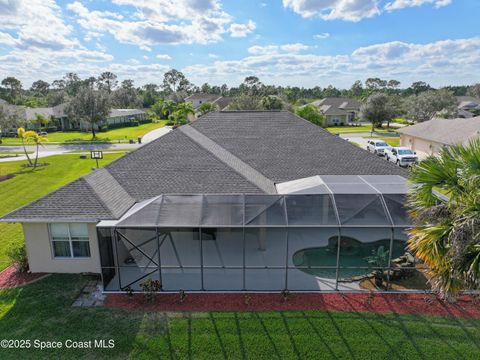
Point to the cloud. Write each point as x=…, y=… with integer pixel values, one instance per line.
x=322, y=36
x=163, y=57
x=162, y=22
x=431, y=62
x=350, y=10
x=242, y=30
x=275, y=49
x=213, y=56
x=400, y=4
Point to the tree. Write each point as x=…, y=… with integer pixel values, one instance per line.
x=41, y=120
x=182, y=111
x=149, y=94
x=90, y=105
x=174, y=80
x=107, y=81
x=418, y=87
x=311, y=113
x=169, y=107
x=14, y=88
x=252, y=86
x=356, y=90
x=446, y=234
x=126, y=96
x=23, y=135
x=245, y=102
x=427, y=104
x=377, y=109
x=393, y=84
x=40, y=87
x=272, y=102
x=72, y=83
x=34, y=137
x=7, y=120
x=374, y=84
x=474, y=90
x=57, y=98
x=206, y=107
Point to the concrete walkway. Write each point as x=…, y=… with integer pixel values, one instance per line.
x=49, y=150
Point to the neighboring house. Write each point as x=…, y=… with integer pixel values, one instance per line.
x=60, y=119
x=468, y=106
x=338, y=110
x=234, y=201
x=198, y=99
x=430, y=136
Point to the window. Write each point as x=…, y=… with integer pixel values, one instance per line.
x=70, y=240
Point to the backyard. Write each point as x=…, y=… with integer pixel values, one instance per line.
x=115, y=135
x=28, y=185
x=43, y=311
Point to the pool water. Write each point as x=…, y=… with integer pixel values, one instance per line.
x=353, y=253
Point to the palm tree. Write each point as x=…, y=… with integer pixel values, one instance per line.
x=22, y=134
x=169, y=107
x=38, y=140
x=184, y=109
x=446, y=234
x=206, y=107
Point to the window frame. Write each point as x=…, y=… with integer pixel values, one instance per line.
x=70, y=242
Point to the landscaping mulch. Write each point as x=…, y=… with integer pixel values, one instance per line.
x=11, y=278
x=420, y=304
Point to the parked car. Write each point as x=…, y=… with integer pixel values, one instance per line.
x=377, y=146
x=43, y=133
x=402, y=156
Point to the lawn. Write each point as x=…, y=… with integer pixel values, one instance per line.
x=354, y=129
x=390, y=140
x=121, y=134
x=42, y=311
x=29, y=185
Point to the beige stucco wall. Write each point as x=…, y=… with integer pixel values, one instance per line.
x=40, y=256
x=420, y=145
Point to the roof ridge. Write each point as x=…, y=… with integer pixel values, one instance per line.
x=229, y=159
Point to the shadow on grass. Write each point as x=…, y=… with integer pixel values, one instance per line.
x=43, y=311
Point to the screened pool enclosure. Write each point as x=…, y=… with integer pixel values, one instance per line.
x=318, y=235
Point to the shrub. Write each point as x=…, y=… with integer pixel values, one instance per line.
x=18, y=257
x=151, y=288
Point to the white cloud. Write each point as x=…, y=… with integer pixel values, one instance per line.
x=433, y=62
x=350, y=10
x=400, y=4
x=213, y=56
x=242, y=30
x=322, y=36
x=162, y=22
x=163, y=57
x=275, y=49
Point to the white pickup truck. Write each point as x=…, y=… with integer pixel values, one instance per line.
x=377, y=146
x=402, y=156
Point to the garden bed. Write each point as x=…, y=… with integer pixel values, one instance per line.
x=11, y=278
x=419, y=304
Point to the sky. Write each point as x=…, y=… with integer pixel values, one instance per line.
x=301, y=43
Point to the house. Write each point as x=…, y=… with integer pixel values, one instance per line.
x=338, y=110
x=430, y=136
x=60, y=120
x=237, y=200
x=468, y=106
x=198, y=99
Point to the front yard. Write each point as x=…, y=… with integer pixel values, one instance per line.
x=115, y=135
x=43, y=311
x=29, y=185
x=355, y=129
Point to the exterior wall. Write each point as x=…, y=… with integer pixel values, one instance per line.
x=420, y=145
x=40, y=255
x=333, y=120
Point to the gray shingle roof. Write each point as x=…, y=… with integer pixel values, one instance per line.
x=284, y=147
x=445, y=131
x=239, y=152
x=75, y=201
x=337, y=105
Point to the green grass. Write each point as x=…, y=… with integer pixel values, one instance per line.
x=353, y=129
x=42, y=311
x=390, y=140
x=115, y=135
x=29, y=185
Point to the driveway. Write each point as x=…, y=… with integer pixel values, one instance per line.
x=49, y=150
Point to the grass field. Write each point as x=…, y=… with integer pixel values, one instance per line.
x=390, y=140
x=353, y=129
x=115, y=135
x=43, y=311
x=29, y=185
